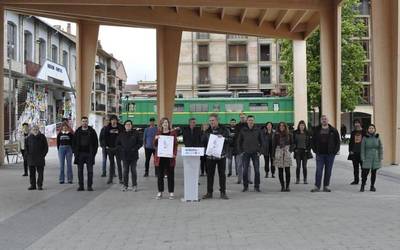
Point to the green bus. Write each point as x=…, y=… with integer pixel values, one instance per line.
x=273, y=109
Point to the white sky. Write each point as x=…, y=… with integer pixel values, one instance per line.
x=135, y=47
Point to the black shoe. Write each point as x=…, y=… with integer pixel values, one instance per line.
x=305, y=182
x=70, y=182
x=372, y=189
x=121, y=182
x=315, y=190
x=115, y=175
x=207, y=196
x=266, y=176
x=362, y=188
x=40, y=188
x=104, y=175
x=297, y=181
x=224, y=196
x=202, y=174
x=61, y=182
x=80, y=189
x=238, y=182
x=326, y=189
x=250, y=182
x=31, y=188
x=109, y=182
x=245, y=189
x=89, y=189
x=287, y=190
x=230, y=174
x=283, y=189
x=146, y=175
x=257, y=190
x=25, y=174
x=354, y=183
x=273, y=175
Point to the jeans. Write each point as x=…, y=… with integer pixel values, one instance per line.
x=114, y=156
x=65, y=153
x=269, y=163
x=255, y=158
x=165, y=169
x=301, y=161
x=32, y=175
x=211, y=165
x=85, y=158
x=357, y=164
x=25, y=161
x=104, y=160
x=148, y=153
x=324, y=161
x=239, y=164
x=364, y=176
x=130, y=165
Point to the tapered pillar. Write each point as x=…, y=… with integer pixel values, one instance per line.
x=300, y=81
x=330, y=44
x=1, y=85
x=86, y=48
x=386, y=76
x=168, y=48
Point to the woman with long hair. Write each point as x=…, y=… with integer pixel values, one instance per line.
x=282, y=147
x=302, y=150
x=166, y=166
x=64, y=145
x=267, y=149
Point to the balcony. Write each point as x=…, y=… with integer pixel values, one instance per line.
x=237, y=58
x=237, y=37
x=202, y=36
x=110, y=72
x=112, y=110
x=203, y=83
x=238, y=81
x=265, y=80
x=111, y=90
x=100, y=87
x=100, y=67
x=99, y=107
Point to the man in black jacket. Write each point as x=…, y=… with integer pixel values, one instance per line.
x=85, y=150
x=250, y=142
x=106, y=122
x=239, y=154
x=111, y=133
x=192, y=134
x=212, y=161
x=325, y=144
x=128, y=143
x=36, y=149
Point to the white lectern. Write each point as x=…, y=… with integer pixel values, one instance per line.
x=191, y=165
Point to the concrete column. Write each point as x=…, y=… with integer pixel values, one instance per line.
x=330, y=28
x=86, y=48
x=168, y=48
x=2, y=49
x=386, y=76
x=300, y=81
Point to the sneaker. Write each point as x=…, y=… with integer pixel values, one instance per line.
x=31, y=188
x=80, y=189
x=372, y=189
x=171, y=196
x=207, y=196
x=354, y=183
x=124, y=189
x=90, y=189
x=159, y=196
x=326, y=189
x=315, y=190
x=245, y=189
x=25, y=174
x=224, y=196
x=257, y=190
x=134, y=189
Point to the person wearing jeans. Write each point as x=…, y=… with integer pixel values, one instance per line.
x=64, y=146
x=239, y=155
x=148, y=139
x=325, y=144
x=250, y=142
x=128, y=143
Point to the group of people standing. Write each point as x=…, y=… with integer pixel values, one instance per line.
x=244, y=143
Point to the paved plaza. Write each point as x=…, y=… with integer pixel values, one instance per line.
x=61, y=218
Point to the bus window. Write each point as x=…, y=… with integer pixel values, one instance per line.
x=234, y=107
x=178, y=107
x=131, y=107
x=216, y=108
x=258, y=107
x=276, y=107
x=199, y=107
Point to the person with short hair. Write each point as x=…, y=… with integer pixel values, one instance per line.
x=64, y=146
x=325, y=144
x=192, y=134
x=356, y=137
x=250, y=142
x=128, y=143
x=239, y=155
x=149, y=150
x=85, y=145
x=371, y=156
x=302, y=150
x=212, y=161
x=36, y=150
x=231, y=150
x=283, y=142
x=106, y=122
x=24, y=133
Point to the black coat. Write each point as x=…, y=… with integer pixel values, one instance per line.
x=36, y=149
x=268, y=143
x=192, y=138
x=93, y=146
x=250, y=140
x=333, y=140
x=128, y=145
x=307, y=142
x=102, y=138
x=109, y=139
x=238, y=128
x=220, y=130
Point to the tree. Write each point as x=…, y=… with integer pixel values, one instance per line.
x=353, y=58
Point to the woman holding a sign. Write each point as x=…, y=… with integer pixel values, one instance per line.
x=166, y=146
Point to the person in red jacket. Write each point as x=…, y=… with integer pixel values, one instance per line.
x=165, y=165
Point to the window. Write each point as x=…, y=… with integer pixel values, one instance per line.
x=234, y=107
x=54, y=53
x=11, y=40
x=265, y=75
x=131, y=107
x=265, y=52
x=366, y=75
x=364, y=7
x=178, y=107
x=366, y=94
x=258, y=106
x=216, y=108
x=28, y=46
x=365, y=20
x=203, y=52
x=282, y=74
x=238, y=75
x=42, y=51
x=203, y=75
x=365, y=45
x=199, y=107
x=202, y=35
x=65, y=59
x=238, y=52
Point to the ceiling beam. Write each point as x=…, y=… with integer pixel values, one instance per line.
x=297, y=19
x=312, y=25
x=281, y=17
x=243, y=15
x=222, y=14
x=176, y=9
x=200, y=11
x=164, y=17
x=262, y=4
x=263, y=16
x=151, y=7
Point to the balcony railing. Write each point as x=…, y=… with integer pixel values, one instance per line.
x=265, y=80
x=203, y=58
x=100, y=107
x=100, y=86
x=237, y=58
x=238, y=79
x=111, y=90
x=100, y=66
x=237, y=37
x=203, y=82
x=110, y=72
x=201, y=35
